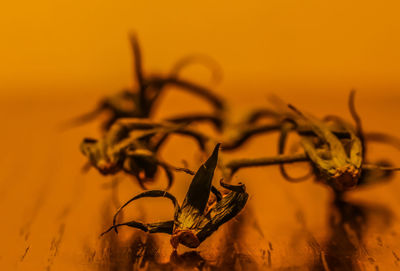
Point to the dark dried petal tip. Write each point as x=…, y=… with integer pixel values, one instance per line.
x=148, y=194
x=199, y=190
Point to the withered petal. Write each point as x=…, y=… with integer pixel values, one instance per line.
x=146, y=194
x=199, y=190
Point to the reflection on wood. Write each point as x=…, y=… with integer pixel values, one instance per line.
x=349, y=222
x=53, y=214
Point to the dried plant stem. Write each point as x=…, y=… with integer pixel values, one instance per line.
x=235, y=165
x=198, y=90
x=384, y=168
x=247, y=133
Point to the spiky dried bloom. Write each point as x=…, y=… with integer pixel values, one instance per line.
x=196, y=219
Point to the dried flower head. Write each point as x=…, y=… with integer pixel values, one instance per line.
x=338, y=165
x=196, y=219
x=131, y=145
x=335, y=149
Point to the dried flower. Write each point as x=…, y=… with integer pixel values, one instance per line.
x=196, y=219
x=131, y=145
x=336, y=150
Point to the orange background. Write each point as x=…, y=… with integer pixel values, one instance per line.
x=53, y=47
x=58, y=58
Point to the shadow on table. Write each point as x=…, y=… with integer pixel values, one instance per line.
x=141, y=252
x=348, y=224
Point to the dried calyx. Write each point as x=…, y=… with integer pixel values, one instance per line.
x=337, y=166
x=196, y=219
x=132, y=145
x=335, y=149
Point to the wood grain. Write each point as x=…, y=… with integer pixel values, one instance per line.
x=52, y=213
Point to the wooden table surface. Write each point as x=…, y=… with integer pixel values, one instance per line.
x=52, y=213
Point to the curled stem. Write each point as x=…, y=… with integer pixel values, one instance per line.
x=235, y=165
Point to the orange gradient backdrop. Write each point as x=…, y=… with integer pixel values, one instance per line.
x=58, y=58
x=53, y=47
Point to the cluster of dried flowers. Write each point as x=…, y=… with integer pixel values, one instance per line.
x=131, y=142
